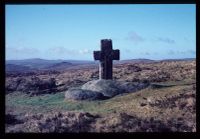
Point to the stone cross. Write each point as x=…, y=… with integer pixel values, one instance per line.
x=106, y=57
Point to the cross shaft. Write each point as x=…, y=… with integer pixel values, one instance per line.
x=106, y=57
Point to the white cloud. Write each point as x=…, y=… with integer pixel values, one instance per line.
x=135, y=37
x=85, y=51
x=171, y=52
x=65, y=51
x=166, y=40
x=145, y=53
x=60, y=50
x=22, y=50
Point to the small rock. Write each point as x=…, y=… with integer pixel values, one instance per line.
x=143, y=104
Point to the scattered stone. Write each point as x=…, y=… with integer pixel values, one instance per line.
x=133, y=68
x=143, y=104
x=32, y=86
x=12, y=120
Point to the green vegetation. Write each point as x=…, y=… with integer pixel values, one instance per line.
x=22, y=103
x=47, y=103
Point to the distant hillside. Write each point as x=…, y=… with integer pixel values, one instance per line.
x=135, y=61
x=143, y=60
x=13, y=67
x=43, y=64
x=61, y=65
x=184, y=59
x=33, y=63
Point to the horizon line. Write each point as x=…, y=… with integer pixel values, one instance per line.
x=95, y=60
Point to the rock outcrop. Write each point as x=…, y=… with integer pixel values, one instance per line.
x=103, y=89
x=33, y=86
x=80, y=94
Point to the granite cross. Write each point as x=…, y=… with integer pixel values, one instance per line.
x=106, y=57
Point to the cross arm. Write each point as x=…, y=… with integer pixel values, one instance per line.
x=115, y=54
x=97, y=55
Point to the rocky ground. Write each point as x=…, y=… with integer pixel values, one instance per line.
x=35, y=100
x=41, y=82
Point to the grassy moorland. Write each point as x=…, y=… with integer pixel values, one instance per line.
x=163, y=106
x=129, y=102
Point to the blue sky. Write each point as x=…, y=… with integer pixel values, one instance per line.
x=155, y=31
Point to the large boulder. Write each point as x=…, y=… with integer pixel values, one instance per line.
x=108, y=88
x=103, y=89
x=111, y=88
x=80, y=94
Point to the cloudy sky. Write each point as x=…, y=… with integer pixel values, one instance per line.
x=156, y=31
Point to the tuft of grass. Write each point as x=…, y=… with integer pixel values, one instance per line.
x=175, y=83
